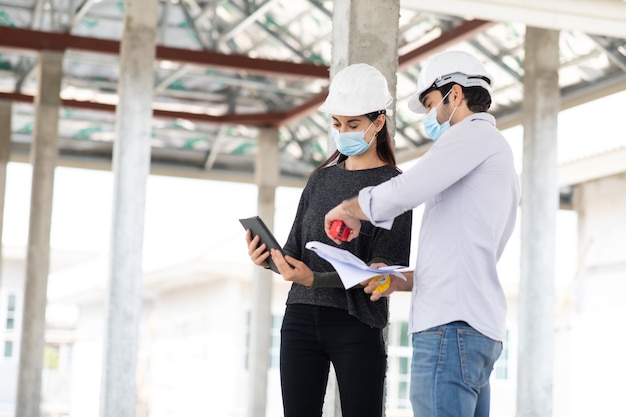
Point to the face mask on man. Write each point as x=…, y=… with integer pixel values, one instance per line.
x=351, y=143
x=433, y=129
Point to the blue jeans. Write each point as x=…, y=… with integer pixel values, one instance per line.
x=450, y=371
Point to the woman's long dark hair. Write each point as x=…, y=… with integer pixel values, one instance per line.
x=384, y=146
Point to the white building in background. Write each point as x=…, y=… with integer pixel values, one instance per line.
x=11, y=290
x=60, y=331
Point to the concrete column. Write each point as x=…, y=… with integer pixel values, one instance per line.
x=367, y=31
x=131, y=165
x=267, y=172
x=363, y=31
x=540, y=202
x=6, y=108
x=43, y=154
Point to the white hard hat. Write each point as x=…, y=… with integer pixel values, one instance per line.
x=447, y=67
x=356, y=90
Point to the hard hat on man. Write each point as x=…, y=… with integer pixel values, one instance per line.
x=449, y=67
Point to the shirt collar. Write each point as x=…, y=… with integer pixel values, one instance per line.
x=482, y=116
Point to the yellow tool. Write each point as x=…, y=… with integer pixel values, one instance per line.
x=383, y=282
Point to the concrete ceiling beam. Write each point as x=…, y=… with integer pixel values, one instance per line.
x=597, y=17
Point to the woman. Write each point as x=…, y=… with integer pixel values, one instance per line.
x=325, y=323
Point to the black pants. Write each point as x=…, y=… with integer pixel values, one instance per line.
x=311, y=338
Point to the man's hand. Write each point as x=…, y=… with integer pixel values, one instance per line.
x=347, y=212
x=396, y=284
x=375, y=295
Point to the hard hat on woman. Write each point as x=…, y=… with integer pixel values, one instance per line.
x=356, y=90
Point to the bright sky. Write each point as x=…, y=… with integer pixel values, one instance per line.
x=187, y=219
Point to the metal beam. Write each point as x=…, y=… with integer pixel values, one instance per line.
x=37, y=14
x=247, y=21
x=80, y=13
x=458, y=34
x=305, y=109
x=34, y=40
x=249, y=119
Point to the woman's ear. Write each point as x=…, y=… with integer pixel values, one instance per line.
x=379, y=122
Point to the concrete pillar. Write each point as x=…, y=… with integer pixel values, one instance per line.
x=267, y=172
x=43, y=155
x=131, y=166
x=540, y=202
x=363, y=31
x=367, y=31
x=6, y=108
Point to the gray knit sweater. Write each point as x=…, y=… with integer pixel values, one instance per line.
x=325, y=189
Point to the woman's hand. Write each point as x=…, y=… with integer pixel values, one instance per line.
x=292, y=269
x=258, y=253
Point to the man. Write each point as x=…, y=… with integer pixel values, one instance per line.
x=470, y=188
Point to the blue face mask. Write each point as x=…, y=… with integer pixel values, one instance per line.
x=431, y=126
x=351, y=143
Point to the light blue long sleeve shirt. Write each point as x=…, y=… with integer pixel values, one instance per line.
x=470, y=188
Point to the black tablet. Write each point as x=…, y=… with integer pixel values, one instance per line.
x=258, y=228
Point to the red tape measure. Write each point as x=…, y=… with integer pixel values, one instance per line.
x=339, y=230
